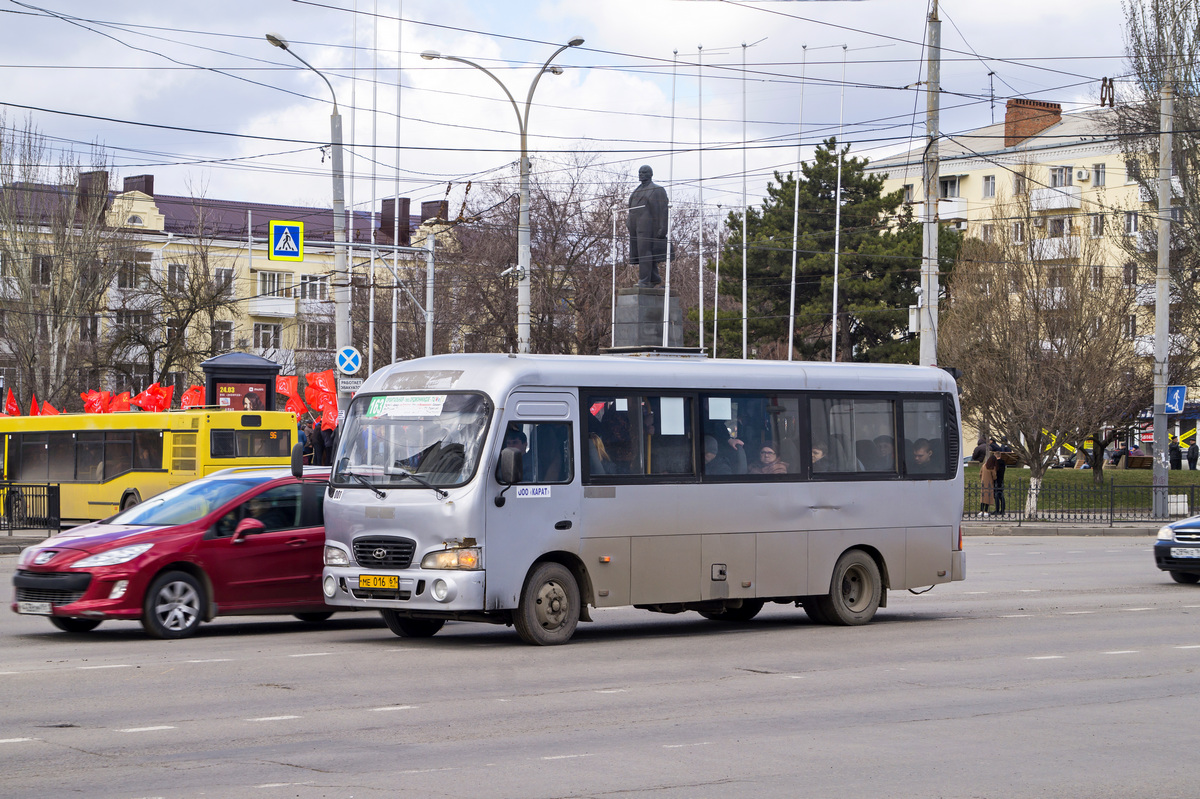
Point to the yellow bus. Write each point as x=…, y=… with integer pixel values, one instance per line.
x=105, y=462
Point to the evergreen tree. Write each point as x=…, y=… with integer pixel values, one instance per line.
x=879, y=267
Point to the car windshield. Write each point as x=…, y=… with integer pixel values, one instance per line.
x=188, y=502
x=386, y=438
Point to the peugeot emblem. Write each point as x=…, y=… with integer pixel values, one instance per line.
x=379, y=554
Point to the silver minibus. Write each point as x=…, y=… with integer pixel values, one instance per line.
x=529, y=489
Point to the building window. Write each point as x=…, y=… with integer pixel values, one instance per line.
x=1059, y=226
x=1097, y=175
x=317, y=335
x=223, y=280
x=89, y=328
x=177, y=277
x=274, y=284
x=1131, y=222
x=314, y=287
x=948, y=187
x=135, y=220
x=43, y=270
x=268, y=337
x=134, y=272
x=989, y=186
x=1060, y=176
x=176, y=329
x=1019, y=183
x=134, y=321
x=1097, y=225
x=908, y=192
x=1018, y=232
x=222, y=336
x=1133, y=170
x=1097, y=276
x=1131, y=326
x=987, y=233
x=1130, y=273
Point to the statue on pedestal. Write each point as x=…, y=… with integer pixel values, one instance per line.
x=647, y=225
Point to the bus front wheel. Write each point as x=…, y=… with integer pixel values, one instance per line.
x=549, y=609
x=855, y=590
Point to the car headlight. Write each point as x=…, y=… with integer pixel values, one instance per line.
x=335, y=556
x=112, y=557
x=465, y=558
x=1165, y=533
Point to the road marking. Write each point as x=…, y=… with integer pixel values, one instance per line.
x=212, y=660
x=1018, y=616
x=15, y=740
x=281, y=784
x=311, y=655
x=683, y=746
x=1048, y=657
x=794, y=676
x=563, y=757
x=1077, y=612
x=611, y=691
x=10, y=672
x=391, y=707
x=274, y=718
x=1122, y=652
x=1191, y=646
x=1135, y=610
x=115, y=666
x=146, y=729
x=1031, y=590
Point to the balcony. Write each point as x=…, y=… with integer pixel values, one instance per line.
x=1056, y=249
x=275, y=307
x=1063, y=198
x=950, y=209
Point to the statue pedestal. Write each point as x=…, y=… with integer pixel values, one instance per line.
x=640, y=319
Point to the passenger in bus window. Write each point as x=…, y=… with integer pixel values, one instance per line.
x=768, y=462
x=922, y=458
x=712, y=463
x=819, y=450
x=515, y=439
x=885, y=454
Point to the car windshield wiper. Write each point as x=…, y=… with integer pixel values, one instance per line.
x=416, y=478
x=365, y=482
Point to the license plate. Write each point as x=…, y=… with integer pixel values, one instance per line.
x=35, y=608
x=1185, y=552
x=388, y=582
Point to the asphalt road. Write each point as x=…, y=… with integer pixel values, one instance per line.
x=1061, y=667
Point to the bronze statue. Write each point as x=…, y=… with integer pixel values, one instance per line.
x=647, y=225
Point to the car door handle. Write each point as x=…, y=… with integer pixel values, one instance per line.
x=297, y=542
x=565, y=524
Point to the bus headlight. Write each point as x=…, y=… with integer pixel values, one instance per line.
x=1165, y=533
x=334, y=556
x=112, y=557
x=465, y=558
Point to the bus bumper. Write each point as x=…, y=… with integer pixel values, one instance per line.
x=426, y=590
x=958, y=565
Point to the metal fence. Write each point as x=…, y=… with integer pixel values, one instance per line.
x=1109, y=504
x=29, y=506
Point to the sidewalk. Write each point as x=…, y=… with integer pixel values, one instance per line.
x=11, y=545
x=982, y=527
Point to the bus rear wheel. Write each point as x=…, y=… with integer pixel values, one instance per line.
x=855, y=590
x=548, y=612
x=411, y=628
x=745, y=612
x=129, y=500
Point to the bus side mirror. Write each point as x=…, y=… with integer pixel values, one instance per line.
x=298, y=461
x=510, y=471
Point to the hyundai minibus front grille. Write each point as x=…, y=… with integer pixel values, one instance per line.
x=384, y=552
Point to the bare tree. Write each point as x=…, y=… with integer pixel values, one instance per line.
x=1039, y=327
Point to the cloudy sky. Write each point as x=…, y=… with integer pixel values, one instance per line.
x=192, y=93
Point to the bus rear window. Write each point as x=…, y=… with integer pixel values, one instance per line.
x=251, y=443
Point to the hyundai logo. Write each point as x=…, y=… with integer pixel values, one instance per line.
x=379, y=554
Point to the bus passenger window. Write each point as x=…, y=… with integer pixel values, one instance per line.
x=148, y=449
x=925, y=426
x=118, y=458
x=61, y=457
x=859, y=434
x=89, y=457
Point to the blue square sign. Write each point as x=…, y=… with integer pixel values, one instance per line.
x=287, y=241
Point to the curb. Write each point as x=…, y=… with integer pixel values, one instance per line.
x=14, y=545
x=1059, y=530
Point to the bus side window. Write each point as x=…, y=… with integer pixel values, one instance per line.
x=546, y=449
x=224, y=444
x=148, y=449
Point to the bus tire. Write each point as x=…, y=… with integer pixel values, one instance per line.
x=747, y=611
x=812, y=607
x=549, y=608
x=1185, y=577
x=411, y=628
x=72, y=625
x=316, y=617
x=174, y=606
x=130, y=499
x=854, y=591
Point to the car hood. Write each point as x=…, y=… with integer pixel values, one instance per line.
x=97, y=536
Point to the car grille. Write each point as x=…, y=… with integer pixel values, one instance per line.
x=384, y=552
x=380, y=593
x=1187, y=536
x=50, y=592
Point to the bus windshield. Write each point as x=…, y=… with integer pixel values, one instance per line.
x=438, y=437
x=188, y=502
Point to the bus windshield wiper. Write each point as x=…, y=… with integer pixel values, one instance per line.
x=416, y=478
x=364, y=481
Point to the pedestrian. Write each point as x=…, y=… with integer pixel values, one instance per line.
x=1175, y=454
x=1193, y=453
x=987, y=484
x=327, y=436
x=1001, y=468
x=318, y=447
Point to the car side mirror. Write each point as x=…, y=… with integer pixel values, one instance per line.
x=298, y=461
x=247, y=526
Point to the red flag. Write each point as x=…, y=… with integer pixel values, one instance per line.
x=10, y=405
x=48, y=409
x=296, y=406
x=33, y=407
x=323, y=380
x=144, y=400
x=165, y=395
x=329, y=416
x=192, y=398
x=287, y=385
x=119, y=403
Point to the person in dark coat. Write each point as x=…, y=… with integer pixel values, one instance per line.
x=327, y=437
x=1175, y=454
x=318, y=447
x=1193, y=454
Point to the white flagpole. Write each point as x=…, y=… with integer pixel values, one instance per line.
x=666, y=328
x=700, y=154
x=837, y=211
x=796, y=211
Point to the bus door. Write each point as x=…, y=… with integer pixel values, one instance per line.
x=541, y=513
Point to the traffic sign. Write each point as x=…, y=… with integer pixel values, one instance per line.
x=1176, y=396
x=349, y=360
x=287, y=241
x=349, y=385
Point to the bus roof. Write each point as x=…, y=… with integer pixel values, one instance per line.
x=192, y=418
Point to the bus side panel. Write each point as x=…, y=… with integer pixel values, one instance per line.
x=664, y=569
x=826, y=546
x=782, y=564
x=607, y=562
x=930, y=558
x=727, y=566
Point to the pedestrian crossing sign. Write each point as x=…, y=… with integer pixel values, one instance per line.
x=287, y=241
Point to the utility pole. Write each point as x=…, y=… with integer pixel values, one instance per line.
x=1162, y=301
x=927, y=302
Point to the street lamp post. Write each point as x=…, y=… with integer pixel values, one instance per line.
x=524, y=283
x=341, y=272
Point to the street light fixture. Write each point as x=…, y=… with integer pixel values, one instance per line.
x=524, y=284
x=341, y=272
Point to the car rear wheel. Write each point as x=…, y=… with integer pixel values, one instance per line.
x=315, y=618
x=410, y=628
x=174, y=606
x=1185, y=577
x=70, y=625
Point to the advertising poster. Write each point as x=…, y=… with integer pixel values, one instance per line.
x=242, y=396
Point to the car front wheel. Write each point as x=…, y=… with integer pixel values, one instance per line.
x=174, y=606
x=70, y=625
x=1185, y=578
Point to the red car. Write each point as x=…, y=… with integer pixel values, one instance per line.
x=238, y=542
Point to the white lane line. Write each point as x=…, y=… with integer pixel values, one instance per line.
x=1190, y=607
x=211, y=660
x=114, y=666
x=610, y=691
x=274, y=718
x=1018, y=616
x=1031, y=591
x=10, y=672
x=1190, y=646
x=794, y=676
x=281, y=784
x=1048, y=657
x=1077, y=612
x=1122, y=652
x=311, y=655
x=1134, y=610
x=391, y=707
x=146, y=729
x=684, y=746
x=427, y=770
x=563, y=757
x=15, y=740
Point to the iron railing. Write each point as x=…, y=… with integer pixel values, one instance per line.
x=29, y=506
x=1110, y=504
